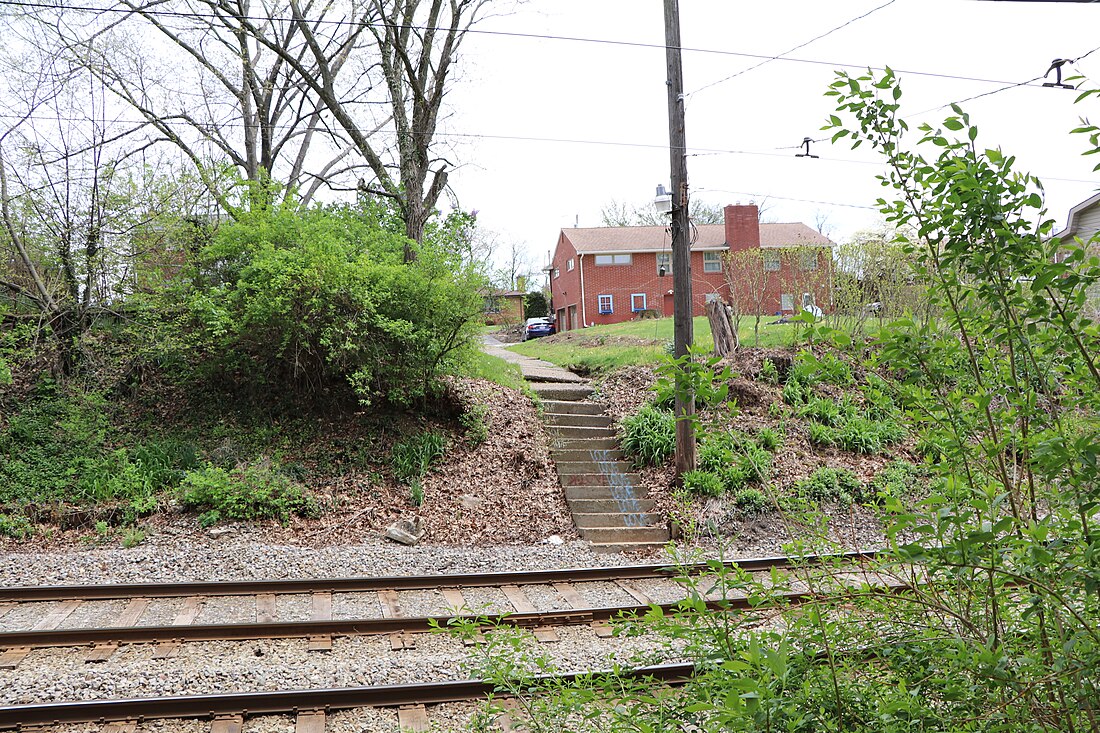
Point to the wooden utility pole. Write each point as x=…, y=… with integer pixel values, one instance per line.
x=681, y=240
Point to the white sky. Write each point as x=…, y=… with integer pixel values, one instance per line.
x=569, y=90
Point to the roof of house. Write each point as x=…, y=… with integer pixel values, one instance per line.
x=710, y=236
x=1076, y=214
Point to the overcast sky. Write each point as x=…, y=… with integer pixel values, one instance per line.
x=548, y=131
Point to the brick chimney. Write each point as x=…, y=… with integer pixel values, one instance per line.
x=742, y=227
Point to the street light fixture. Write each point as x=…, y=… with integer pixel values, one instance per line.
x=663, y=201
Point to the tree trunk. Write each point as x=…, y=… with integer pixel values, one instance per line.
x=725, y=338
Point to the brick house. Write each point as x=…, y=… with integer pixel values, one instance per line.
x=613, y=274
x=503, y=306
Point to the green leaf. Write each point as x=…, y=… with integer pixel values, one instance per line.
x=952, y=123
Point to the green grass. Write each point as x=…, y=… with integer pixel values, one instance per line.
x=601, y=348
x=480, y=365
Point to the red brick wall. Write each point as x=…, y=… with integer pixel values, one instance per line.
x=641, y=276
x=565, y=289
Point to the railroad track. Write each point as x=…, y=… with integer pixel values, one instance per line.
x=51, y=607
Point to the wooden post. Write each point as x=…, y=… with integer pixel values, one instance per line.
x=681, y=244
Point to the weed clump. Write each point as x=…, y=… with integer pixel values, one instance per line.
x=649, y=435
x=258, y=491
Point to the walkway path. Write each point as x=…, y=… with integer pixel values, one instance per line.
x=608, y=508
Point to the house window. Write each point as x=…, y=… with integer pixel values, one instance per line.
x=664, y=263
x=569, y=265
x=613, y=259
x=492, y=304
x=557, y=272
x=772, y=262
x=637, y=302
x=808, y=261
x=607, y=304
x=712, y=262
x=786, y=302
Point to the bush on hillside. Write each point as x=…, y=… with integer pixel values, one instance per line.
x=321, y=299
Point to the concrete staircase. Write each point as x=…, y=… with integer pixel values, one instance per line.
x=603, y=494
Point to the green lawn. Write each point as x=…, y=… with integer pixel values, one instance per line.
x=601, y=348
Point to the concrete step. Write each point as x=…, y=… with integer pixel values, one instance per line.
x=623, y=481
x=557, y=391
x=605, y=505
x=593, y=456
x=572, y=433
x=616, y=520
x=608, y=547
x=573, y=408
x=550, y=375
x=583, y=444
x=625, y=534
x=559, y=419
x=588, y=492
x=594, y=468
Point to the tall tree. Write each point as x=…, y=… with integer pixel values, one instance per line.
x=617, y=214
x=227, y=94
x=417, y=42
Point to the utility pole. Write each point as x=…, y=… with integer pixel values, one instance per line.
x=681, y=242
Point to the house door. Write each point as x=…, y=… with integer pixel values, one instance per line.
x=668, y=305
x=572, y=317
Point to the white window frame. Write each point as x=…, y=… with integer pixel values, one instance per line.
x=786, y=302
x=808, y=261
x=610, y=304
x=664, y=258
x=569, y=265
x=712, y=262
x=614, y=259
x=557, y=273
x=773, y=262
x=637, y=295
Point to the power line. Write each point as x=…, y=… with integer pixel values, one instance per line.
x=515, y=34
x=792, y=50
x=788, y=198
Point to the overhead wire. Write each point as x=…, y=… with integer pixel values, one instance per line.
x=514, y=34
x=792, y=50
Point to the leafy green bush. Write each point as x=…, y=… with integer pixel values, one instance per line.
x=821, y=410
x=703, y=483
x=411, y=458
x=254, y=492
x=649, y=435
x=830, y=484
x=751, y=502
x=15, y=526
x=734, y=457
x=320, y=299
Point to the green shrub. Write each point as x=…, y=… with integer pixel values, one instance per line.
x=254, y=492
x=412, y=457
x=318, y=299
x=829, y=368
x=830, y=484
x=15, y=526
x=649, y=435
x=751, y=502
x=703, y=483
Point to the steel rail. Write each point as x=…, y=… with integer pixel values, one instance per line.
x=25, y=594
x=291, y=701
x=77, y=637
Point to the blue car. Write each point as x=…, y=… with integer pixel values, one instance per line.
x=535, y=327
